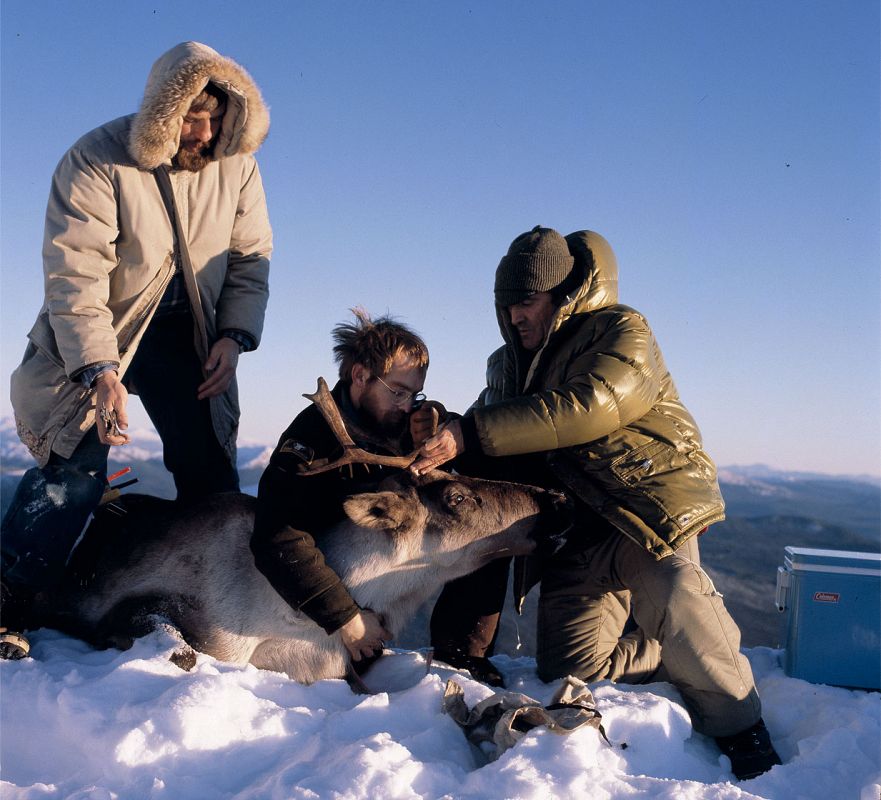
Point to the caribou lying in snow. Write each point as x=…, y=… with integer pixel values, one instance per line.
x=191, y=568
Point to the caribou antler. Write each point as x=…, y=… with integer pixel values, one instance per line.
x=352, y=454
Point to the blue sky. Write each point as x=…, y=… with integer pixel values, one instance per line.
x=729, y=151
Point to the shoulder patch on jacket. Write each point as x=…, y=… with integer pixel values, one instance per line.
x=296, y=448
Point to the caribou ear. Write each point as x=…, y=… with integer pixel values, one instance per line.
x=377, y=510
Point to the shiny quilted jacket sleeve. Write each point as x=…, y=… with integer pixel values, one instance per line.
x=597, y=374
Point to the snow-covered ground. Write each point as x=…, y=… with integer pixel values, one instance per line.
x=96, y=725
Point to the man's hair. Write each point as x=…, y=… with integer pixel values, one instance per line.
x=375, y=344
x=209, y=99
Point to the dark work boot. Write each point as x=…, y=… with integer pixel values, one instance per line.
x=750, y=751
x=481, y=668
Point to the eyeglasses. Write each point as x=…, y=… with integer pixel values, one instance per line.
x=402, y=397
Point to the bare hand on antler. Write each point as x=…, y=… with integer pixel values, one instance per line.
x=445, y=446
x=424, y=421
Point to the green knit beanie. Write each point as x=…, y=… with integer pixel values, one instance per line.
x=537, y=261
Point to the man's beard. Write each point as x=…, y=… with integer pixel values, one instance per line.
x=391, y=424
x=194, y=161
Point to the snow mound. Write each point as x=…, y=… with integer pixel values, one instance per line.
x=80, y=723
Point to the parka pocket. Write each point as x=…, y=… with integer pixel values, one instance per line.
x=45, y=400
x=650, y=459
x=41, y=339
x=656, y=477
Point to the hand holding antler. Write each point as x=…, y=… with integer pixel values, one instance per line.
x=439, y=449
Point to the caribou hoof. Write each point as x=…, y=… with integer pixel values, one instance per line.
x=184, y=657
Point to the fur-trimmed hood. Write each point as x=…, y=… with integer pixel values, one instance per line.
x=175, y=80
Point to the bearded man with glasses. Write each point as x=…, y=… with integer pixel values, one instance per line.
x=382, y=368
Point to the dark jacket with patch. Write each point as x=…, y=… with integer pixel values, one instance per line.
x=294, y=510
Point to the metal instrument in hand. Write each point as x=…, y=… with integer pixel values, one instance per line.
x=108, y=417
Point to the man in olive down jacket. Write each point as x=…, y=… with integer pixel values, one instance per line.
x=130, y=307
x=580, y=395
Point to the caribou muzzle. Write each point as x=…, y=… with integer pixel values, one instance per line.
x=557, y=519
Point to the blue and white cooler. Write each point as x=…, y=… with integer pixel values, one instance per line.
x=832, y=624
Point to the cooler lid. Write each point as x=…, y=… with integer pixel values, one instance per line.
x=813, y=559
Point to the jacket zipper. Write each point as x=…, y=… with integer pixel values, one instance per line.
x=134, y=325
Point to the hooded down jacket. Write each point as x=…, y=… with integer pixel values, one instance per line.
x=108, y=251
x=598, y=401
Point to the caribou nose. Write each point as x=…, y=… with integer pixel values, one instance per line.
x=556, y=503
x=557, y=519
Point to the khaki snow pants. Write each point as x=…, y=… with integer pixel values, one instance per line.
x=684, y=635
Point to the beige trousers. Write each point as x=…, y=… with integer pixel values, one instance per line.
x=683, y=633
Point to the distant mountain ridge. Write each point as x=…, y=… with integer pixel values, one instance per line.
x=759, y=473
x=767, y=510
x=146, y=446
x=143, y=454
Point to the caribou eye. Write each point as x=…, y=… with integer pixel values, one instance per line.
x=455, y=499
